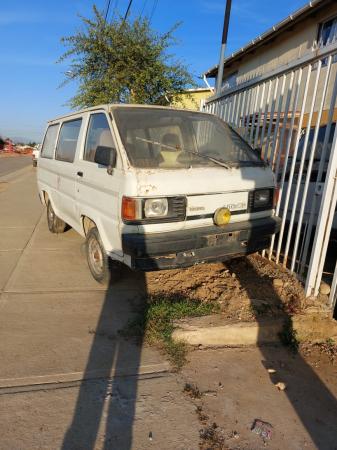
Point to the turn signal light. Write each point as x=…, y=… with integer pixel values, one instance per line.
x=129, y=208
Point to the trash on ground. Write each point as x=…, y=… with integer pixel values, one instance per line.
x=263, y=429
x=271, y=371
x=281, y=386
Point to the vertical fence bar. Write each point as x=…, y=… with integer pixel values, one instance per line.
x=259, y=116
x=254, y=114
x=266, y=109
x=238, y=109
x=247, y=112
x=320, y=168
x=311, y=158
x=283, y=129
x=231, y=119
x=280, y=102
x=289, y=139
x=280, y=150
x=293, y=164
x=321, y=227
x=326, y=235
x=271, y=119
x=333, y=292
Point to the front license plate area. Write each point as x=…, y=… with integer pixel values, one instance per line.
x=223, y=238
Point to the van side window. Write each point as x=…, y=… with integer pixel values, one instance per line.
x=49, y=141
x=66, y=146
x=98, y=134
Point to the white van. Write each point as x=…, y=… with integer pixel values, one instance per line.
x=154, y=187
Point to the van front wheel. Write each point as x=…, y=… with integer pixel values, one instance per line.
x=102, y=268
x=55, y=224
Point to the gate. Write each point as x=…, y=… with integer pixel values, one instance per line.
x=290, y=115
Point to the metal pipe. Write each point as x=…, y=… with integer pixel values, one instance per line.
x=223, y=46
x=293, y=164
x=290, y=134
x=259, y=116
x=272, y=155
x=306, y=185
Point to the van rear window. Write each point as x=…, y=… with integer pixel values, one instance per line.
x=67, y=143
x=49, y=141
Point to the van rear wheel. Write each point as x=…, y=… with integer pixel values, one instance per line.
x=55, y=224
x=102, y=268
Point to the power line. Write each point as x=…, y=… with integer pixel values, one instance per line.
x=114, y=9
x=143, y=9
x=107, y=10
x=127, y=11
x=155, y=3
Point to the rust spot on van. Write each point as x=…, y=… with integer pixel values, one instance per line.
x=147, y=189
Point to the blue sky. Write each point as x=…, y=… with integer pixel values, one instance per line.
x=30, y=45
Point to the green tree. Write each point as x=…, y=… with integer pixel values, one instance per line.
x=123, y=61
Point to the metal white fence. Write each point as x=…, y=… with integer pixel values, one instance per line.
x=291, y=114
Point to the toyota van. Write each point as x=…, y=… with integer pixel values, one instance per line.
x=155, y=188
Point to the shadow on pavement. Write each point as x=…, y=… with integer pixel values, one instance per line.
x=106, y=405
x=314, y=404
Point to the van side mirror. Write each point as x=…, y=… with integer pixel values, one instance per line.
x=106, y=156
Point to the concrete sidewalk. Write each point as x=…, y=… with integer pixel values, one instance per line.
x=67, y=378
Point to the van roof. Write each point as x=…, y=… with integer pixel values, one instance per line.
x=111, y=106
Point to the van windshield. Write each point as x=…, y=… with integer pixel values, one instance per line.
x=172, y=139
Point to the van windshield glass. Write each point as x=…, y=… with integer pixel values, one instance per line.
x=172, y=139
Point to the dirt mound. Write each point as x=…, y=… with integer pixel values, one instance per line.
x=244, y=287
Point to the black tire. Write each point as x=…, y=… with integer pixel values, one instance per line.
x=55, y=224
x=102, y=268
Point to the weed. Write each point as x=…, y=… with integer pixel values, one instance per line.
x=192, y=390
x=155, y=324
x=211, y=437
x=288, y=335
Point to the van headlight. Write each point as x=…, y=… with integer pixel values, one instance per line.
x=153, y=210
x=156, y=207
x=261, y=198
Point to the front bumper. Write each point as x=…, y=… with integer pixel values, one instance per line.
x=185, y=248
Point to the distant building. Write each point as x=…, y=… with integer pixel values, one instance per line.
x=193, y=98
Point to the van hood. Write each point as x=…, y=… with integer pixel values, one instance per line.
x=193, y=181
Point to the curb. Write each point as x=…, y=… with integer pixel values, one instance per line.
x=215, y=331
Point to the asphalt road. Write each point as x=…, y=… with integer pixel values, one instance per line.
x=11, y=164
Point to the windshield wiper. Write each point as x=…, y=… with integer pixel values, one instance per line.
x=191, y=152
x=219, y=162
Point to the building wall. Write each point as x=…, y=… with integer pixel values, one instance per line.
x=286, y=47
x=192, y=99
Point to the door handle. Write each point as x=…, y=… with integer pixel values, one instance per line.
x=80, y=174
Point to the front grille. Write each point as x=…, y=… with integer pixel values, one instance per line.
x=177, y=208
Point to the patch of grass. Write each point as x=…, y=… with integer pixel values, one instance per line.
x=155, y=324
x=288, y=336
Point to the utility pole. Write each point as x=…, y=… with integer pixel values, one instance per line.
x=223, y=46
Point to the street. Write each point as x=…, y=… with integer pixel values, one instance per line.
x=10, y=164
